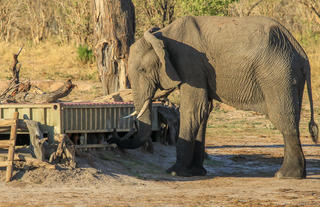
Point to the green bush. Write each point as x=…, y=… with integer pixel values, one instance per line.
x=85, y=54
x=205, y=7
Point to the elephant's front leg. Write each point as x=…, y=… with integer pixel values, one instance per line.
x=194, y=112
x=199, y=146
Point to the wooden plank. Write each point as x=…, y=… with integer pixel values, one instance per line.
x=6, y=123
x=92, y=146
x=5, y=129
x=5, y=163
x=6, y=143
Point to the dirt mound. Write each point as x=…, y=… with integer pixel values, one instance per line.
x=99, y=167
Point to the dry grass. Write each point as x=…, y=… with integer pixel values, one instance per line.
x=315, y=75
x=46, y=61
x=51, y=61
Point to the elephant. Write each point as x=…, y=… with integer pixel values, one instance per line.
x=250, y=63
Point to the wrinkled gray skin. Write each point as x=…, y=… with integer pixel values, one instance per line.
x=250, y=63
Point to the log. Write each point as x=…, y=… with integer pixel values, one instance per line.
x=28, y=161
x=36, y=139
x=35, y=162
x=26, y=97
x=125, y=95
x=19, y=92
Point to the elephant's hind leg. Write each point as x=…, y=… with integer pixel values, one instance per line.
x=294, y=164
x=283, y=112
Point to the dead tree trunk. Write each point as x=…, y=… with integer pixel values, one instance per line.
x=36, y=139
x=114, y=27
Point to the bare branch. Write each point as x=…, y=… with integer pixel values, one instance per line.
x=20, y=50
x=15, y=70
x=310, y=6
x=253, y=6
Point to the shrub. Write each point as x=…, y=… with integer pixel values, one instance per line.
x=205, y=7
x=85, y=54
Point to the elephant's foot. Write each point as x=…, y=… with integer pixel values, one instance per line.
x=177, y=170
x=294, y=164
x=291, y=172
x=198, y=171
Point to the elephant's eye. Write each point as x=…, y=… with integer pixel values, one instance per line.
x=142, y=70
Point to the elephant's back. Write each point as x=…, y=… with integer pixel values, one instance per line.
x=228, y=35
x=238, y=49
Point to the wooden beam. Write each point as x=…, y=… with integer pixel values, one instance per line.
x=6, y=143
x=4, y=129
x=13, y=136
x=83, y=146
x=4, y=163
x=6, y=123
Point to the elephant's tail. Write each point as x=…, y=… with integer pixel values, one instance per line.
x=313, y=127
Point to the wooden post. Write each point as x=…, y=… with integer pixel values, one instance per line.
x=85, y=140
x=114, y=28
x=13, y=136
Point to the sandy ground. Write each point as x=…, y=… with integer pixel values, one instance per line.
x=240, y=173
x=244, y=150
x=136, y=178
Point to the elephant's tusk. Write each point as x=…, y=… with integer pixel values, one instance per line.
x=144, y=108
x=130, y=115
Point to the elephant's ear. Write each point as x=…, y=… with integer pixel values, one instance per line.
x=167, y=74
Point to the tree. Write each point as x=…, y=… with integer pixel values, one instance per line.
x=205, y=7
x=114, y=27
x=153, y=13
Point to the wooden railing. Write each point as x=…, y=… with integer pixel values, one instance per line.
x=9, y=125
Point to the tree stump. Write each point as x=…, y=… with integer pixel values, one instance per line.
x=65, y=151
x=114, y=27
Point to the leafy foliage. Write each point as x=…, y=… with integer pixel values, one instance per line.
x=85, y=55
x=205, y=7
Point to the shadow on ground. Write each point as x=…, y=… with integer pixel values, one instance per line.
x=100, y=165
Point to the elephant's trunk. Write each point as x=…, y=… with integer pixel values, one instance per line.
x=144, y=128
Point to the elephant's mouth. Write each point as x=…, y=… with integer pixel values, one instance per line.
x=141, y=112
x=158, y=94
x=143, y=123
x=136, y=138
